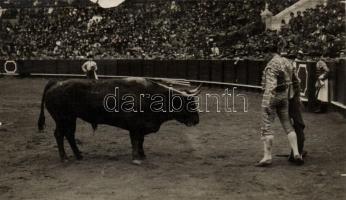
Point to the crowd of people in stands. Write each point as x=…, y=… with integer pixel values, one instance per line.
x=164, y=30
x=39, y=3
x=316, y=31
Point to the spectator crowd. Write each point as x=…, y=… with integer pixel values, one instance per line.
x=166, y=29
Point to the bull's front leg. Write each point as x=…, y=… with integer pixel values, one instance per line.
x=136, y=148
x=140, y=147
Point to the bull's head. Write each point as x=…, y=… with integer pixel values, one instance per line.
x=184, y=105
x=189, y=113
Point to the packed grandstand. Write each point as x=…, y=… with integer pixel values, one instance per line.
x=164, y=29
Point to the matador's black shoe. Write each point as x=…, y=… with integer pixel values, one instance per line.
x=291, y=158
x=297, y=160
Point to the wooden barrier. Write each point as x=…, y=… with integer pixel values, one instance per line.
x=244, y=73
x=337, y=86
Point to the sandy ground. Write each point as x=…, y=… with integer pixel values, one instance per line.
x=213, y=160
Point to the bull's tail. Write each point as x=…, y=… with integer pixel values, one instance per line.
x=41, y=120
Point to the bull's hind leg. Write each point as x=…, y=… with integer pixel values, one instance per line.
x=70, y=129
x=60, y=142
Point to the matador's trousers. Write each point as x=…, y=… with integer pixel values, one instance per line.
x=275, y=105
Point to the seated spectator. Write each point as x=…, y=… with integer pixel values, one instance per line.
x=215, y=52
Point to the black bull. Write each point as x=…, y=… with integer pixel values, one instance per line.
x=90, y=101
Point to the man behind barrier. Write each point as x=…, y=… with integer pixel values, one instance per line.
x=90, y=68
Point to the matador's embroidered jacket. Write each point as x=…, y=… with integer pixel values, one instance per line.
x=279, y=79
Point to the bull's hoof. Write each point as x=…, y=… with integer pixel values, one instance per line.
x=63, y=157
x=136, y=162
x=79, y=142
x=64, y=160
x=79, y=157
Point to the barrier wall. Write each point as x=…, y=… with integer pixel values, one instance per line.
x=241, y=72
x=337, y=83
x=245, y=73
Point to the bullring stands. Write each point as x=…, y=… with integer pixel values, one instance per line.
x=162, y=30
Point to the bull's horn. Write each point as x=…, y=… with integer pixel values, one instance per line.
x=176, y=90
x=177, y=82
x=196, y=90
